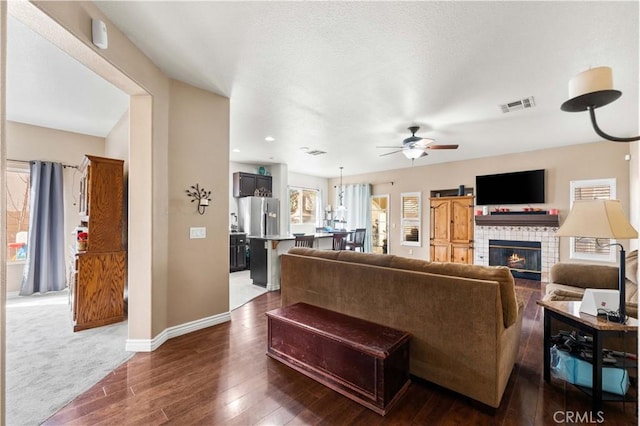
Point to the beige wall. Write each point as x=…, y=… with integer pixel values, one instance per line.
x=117, y=141
x=198, y=154
x=587, y=161
x=68, y=26
x=27, y=142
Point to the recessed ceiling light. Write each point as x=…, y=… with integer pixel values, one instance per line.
x=236, y=150
x=269, y=139
x=304, y=148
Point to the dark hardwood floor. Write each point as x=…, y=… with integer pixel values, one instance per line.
x=221, y=375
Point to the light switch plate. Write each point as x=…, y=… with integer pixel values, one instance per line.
x=197, y=232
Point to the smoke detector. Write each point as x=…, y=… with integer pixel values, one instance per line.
x=518, y=105
x=316, y=152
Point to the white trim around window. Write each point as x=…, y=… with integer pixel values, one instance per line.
x=586, y=248
x=410, y=219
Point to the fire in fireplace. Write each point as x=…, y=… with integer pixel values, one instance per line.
x=522, y=257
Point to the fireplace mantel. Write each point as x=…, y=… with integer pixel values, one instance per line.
x=549, y=220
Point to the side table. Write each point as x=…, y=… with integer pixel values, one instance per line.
x=569, y=313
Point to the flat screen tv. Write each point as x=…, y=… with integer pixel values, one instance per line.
x=525, y=187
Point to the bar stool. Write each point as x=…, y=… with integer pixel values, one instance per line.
x=358, y=240
x=304, y=241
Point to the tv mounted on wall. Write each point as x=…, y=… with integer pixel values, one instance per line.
x=525, y=187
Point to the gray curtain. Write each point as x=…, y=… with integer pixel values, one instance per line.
x=44, y=270
x=357, y=201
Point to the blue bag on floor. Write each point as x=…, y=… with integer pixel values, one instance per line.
x=580, y=372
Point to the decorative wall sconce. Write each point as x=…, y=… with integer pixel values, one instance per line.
x=592, y=89
x=200, y=195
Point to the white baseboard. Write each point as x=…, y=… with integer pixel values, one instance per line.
x=150, y=345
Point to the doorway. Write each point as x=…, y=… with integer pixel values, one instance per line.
x=380, y=223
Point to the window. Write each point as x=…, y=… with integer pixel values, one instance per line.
x=587, y=248
x=303, y=206
x=410, y=219
x=17, y=187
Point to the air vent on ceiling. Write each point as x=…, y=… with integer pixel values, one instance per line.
x=518, y=105
x=316, y=152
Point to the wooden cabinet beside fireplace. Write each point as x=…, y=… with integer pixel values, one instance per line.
x=451, y=238
x=98, y=273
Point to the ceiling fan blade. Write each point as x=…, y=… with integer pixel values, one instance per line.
x=389, y=153
x=442, y=147
x=394, y=146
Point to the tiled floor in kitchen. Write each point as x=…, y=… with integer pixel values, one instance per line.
x=241, y=290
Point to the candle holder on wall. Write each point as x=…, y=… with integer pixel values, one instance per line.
x=200, y=195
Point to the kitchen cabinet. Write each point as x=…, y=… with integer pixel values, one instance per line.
x=237, y=252
x=259, y=268
x=98, y=272
x=451, y=238
x=249, y=185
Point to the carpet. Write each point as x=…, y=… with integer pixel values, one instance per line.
x=47, y=364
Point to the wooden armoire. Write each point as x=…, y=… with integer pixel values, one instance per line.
x=451, y=238
x=98, y=273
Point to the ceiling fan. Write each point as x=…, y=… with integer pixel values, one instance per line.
x=415, y=147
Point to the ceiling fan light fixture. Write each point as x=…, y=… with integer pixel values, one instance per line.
x=413, y=153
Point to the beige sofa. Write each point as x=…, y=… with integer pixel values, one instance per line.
x=465, y=320
x=568, y=281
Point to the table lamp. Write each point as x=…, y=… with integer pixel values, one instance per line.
x=601, y=219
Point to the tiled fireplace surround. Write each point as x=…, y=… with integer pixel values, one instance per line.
x=544, y=234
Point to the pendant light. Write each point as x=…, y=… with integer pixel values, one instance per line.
x=341, y=211
x=341, y=188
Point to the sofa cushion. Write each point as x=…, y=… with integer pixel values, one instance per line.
x=325, y=254
x=400, y=262
x=585, y=275
x=365, y=258
x=563, y=293
x=501, y=274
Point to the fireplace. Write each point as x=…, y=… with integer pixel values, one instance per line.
x=522, y=257
x=516, y=230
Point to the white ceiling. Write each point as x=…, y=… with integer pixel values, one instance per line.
x=343, y=77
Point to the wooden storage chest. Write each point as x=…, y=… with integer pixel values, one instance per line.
x=364, y=361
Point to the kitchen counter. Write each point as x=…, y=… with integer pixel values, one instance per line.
x=265, y=254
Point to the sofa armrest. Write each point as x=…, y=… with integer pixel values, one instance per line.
x=585, y=275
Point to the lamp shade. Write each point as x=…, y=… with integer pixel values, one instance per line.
x=597, y=219
x=589, y=81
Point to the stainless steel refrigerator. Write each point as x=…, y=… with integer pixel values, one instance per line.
x=259, y=216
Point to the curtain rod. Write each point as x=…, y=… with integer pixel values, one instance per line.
x=304, y=187
x=372, y=183
x=29, y=162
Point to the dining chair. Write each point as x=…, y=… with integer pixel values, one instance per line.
x=358, y=240
x=304, y=241
x=340, y=240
